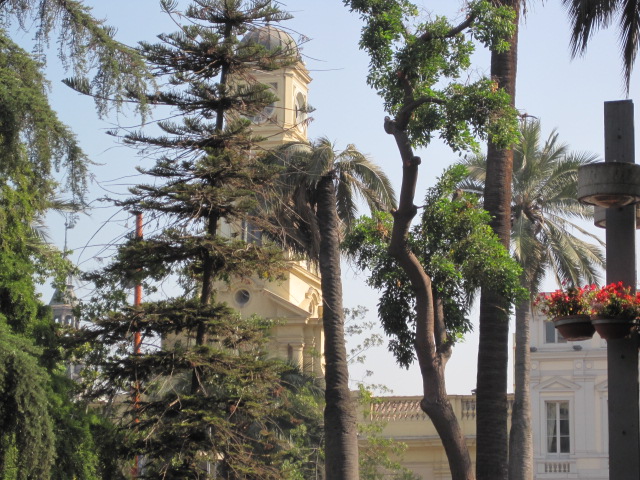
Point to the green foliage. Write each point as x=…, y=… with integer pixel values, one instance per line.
x=544, y=206
x=27, y=436
x=34, y=145
x=109, y=69
x=249, y=415
x=302, y=423
x=33, y=142
x=416, y=68
x=457, y=249
x=43, y=433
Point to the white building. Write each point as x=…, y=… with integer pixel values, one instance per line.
x=569, y=405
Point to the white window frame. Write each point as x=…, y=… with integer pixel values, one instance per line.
x=557, y=338
x=558, y=435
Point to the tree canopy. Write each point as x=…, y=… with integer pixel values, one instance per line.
x=458, y=251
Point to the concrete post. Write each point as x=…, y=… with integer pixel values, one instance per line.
x=622, y=355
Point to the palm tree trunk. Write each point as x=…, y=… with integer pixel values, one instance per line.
x=341, y=460
x=493, y=350
x=520, y=438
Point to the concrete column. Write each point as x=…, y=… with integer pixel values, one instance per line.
x=318, y=364
x=296, y=354
x=310, y=352
x=622, y=355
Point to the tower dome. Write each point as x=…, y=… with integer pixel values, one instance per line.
x=272, y=38
x=63, y=303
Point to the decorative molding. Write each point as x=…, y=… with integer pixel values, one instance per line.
x=558, y=384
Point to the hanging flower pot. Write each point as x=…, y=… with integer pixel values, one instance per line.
x=570, y=311
x=615, y=309
x=612, y=311
x=612, y=328
x=574, y=328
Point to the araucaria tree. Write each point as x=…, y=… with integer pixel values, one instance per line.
x=205, y=395
x=416, y=69
x=543, y=206
x=317, y=201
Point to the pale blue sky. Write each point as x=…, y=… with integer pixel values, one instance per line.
x=564, y=94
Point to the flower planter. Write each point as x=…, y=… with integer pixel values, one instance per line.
x=574, y=328
x=612, y=328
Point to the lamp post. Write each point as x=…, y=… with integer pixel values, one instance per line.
x=615, y=185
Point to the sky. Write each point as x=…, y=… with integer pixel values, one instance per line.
x=565, y=94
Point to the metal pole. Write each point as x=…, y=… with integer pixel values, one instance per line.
x=622, y=354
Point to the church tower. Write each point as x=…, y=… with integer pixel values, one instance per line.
x=286, y=119
x=295, y=302
x=62, y=304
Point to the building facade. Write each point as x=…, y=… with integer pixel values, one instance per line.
x=569, y=413
x=569, y=405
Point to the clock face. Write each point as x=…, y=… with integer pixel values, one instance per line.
x=264, y=116
x=267, y=112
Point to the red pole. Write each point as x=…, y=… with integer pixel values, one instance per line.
x=137, y=341
x=137, y=298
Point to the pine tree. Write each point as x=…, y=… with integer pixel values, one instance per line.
x=205, y=394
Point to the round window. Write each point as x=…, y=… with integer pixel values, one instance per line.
x=242, y=297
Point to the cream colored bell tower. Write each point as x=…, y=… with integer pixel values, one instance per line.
x=295, y=303
x=286, y=120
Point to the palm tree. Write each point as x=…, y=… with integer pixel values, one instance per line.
x=493, y=348
x=316, y=204
x=587, y=16
x=543, y=208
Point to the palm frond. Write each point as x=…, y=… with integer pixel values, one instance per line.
x=588, y=16
x=293, y=206
x=544, y=203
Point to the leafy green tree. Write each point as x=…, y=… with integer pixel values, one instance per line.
x=543, y=207
x=587, y=17
x=318, y=187
x=458, y=252
x=416, y=68
x=44, y=432
x=85, y=45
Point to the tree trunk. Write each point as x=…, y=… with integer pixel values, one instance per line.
x=341, y=440
x=209, y=268
x=520, y=438
x=431, y=347
x=493, y=350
